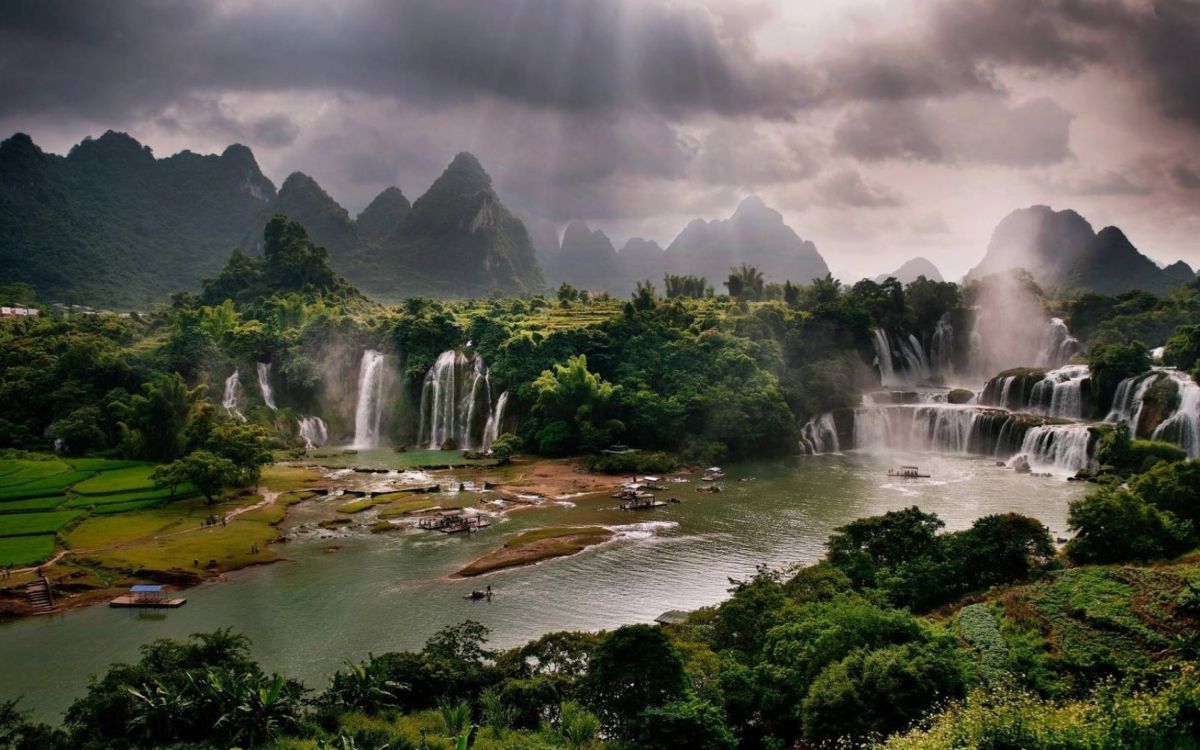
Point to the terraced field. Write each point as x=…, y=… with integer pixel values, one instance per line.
x=42, y=500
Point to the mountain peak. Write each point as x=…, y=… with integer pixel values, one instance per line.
x=1061, y=248
x=911, y=270
x=466, y=167
x=238, y=153
x=383, y=215
x=112, y=146
x=754, y=207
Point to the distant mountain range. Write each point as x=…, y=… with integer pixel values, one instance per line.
x=110, y=224
x=1060, y=248
x=755, y=234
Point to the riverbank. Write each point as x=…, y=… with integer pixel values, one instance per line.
x=536, y=546
x=184, y=543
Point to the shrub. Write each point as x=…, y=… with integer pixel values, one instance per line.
x=1116, y=525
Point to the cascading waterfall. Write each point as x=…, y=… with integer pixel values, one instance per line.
x=264, y=385
x=1060, y=393
x=819, y=435
x=1183, y=426
x=233, y=391
x=369, y=409
x=941, y=348
x=914, y=363
x=1128, y=400
x=1058, y=448
x=942, y=428
x=1058, y=345
x=492, y=431
x=313, y=430
x=456, y=403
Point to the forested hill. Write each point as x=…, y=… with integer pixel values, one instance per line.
x=1060, y=248
x=111, y=225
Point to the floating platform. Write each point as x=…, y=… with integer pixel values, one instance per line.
x=127, y=601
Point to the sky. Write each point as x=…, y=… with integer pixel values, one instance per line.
x=880, y=130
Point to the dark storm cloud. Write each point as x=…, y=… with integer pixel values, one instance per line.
x=102, y=59
x=979, y=130
x=209, y=117
x=849, y=188
x=1152, y=43
x=1186, y=178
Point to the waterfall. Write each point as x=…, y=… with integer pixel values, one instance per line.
x=370, y=401
x=915, y=365
x=233, y=391
x=492, y=431
x=941, y=428
x=883, y=358
x=264, y=384
x=1156, y=354
x=1058, y=345
x=1128, y=401
x=941, y=348
x=1058, y=448
x=1060, y=393
x=1183, y=426
x=312, y=429
x=819, y=435
x=456, y=403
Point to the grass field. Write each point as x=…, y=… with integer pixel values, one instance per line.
x=26, y=524
x=119, y=521
x=32, y=504
x=129, y=479
x=26, y=550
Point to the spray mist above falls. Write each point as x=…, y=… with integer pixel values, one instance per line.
x=457, y=406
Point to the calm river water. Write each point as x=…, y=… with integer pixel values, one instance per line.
x=390, y=592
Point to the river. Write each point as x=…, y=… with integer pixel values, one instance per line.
x=379, y=593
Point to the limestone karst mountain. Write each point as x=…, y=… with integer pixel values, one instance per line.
x=1060, y=248
x=157, y=226
x=911, y=269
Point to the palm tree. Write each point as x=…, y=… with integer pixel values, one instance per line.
x=745, y=282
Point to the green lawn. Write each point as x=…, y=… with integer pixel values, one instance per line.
x=24, y=524
x=119, y=480
x=26, y=550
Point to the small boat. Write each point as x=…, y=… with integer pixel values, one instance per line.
x=712, y=474
x=907, y=472
x=714, y=488
x=476, y=595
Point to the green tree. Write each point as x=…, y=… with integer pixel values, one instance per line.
x=80, y=431
x=643, y=296
x=245, y=444
x=206, y=471
x=879, y=692
x=692, y=724
x=1173, y=487
x=745, y=282
x=864, y=548
x=634, y=668
x=155, y=422
x=505, y=447
x=1182, y=350
x=1117, y=525
x=1111, y=363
